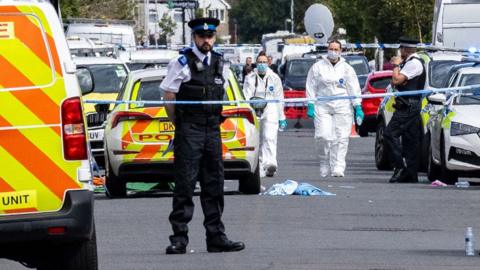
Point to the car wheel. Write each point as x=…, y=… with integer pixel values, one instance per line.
x=382, y=153
x=447, y=176
x=115, y=187
x=362, y=130
x=250, y=184
x=433, y=170
x=73, y=256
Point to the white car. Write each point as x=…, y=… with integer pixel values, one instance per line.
x=139, y=137
x=454, y=131
x=438, y=66
x=109, y=75
x=150, y=58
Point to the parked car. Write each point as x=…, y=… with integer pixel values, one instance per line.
x=453, y=131
x=360, y=65
x=376, y=83
x=109, y=75
x=294, y=76
x=151, y=58
x=139, y=137
x=437, y=66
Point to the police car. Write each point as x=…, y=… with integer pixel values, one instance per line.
x=454, y=131
x=109, y=75
x=139, y=137
x=437, y=66
x=46, y=202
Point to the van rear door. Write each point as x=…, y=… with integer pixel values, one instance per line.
x=34, y=174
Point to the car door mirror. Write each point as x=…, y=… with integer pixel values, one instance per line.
x=437, y=99
x=85, y=80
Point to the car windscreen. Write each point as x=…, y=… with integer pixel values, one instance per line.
x=438, y=72
x=299, y=68
x=151, y=91
x=380, y=83
x=359, y=65
x=108, y=78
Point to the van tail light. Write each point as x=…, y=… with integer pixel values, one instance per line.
x=125, y=116
x=73, y=130
x=240, y=112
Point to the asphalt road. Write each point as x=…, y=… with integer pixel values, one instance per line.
x=369, y=224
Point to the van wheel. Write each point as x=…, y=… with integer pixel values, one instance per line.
x=447, y=176
x=115, y=187
x=250, y=184
x=433, y=170
x=75, y=256
x=382, y=152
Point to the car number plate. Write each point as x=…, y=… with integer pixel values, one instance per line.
x=18, y=200
x=299, y=104
x=166, y=126
x=96, y=135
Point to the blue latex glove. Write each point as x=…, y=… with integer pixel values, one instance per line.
x=311, y=110
x=282, y=124
x=359, y=115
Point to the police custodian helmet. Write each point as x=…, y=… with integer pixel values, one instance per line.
x=204, y=25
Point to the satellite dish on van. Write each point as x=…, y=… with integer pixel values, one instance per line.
x=319, y=22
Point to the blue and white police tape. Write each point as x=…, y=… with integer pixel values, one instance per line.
x=294, y=100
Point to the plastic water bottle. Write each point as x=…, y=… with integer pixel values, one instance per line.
x=359, y=121
x=462, y=184
x=469, y=242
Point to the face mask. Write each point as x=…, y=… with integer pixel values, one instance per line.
x=262, y=68
x=333, y=55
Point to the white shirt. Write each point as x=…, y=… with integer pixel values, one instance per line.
x=412, y=68
x=178, y=73
x=270, y=87
x=326, y=79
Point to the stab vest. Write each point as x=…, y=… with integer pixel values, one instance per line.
x=205, y=84
x=416, y=83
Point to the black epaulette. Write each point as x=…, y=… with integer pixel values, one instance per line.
x=184, y=51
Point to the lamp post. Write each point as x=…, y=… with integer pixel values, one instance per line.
x=292, y=6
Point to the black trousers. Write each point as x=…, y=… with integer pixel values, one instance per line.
x=405, y=124
x=198, y=157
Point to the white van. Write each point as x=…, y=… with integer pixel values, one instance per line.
x=456, y=24
x=113, y=32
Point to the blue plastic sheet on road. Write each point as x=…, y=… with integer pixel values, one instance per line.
x=291, y=187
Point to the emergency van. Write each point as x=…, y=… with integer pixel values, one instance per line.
x=46, y=202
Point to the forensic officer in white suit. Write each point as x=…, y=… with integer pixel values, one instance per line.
x=264, y=83
x=333, y=77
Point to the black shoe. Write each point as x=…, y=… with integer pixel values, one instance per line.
x=397, y=173
x=409, y=178
x=224, y=245
x=271, y=171
x=176, y=248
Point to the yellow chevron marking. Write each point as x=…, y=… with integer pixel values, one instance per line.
x=19, y=178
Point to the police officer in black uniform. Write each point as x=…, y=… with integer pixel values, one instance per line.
x=408, y=74
x=197, y=75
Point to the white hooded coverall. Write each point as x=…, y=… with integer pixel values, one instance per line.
x=333, y=119
x=270, y=87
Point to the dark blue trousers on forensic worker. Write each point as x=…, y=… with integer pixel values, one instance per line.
x=405, y=124
x=198, y=157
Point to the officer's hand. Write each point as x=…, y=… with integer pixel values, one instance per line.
x=311, y=110
x=282, y=124
x=396, y=60
x=359, y=115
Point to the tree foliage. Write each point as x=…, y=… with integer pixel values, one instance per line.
x=363, y=19
x=99, y=9
x=168, y=25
